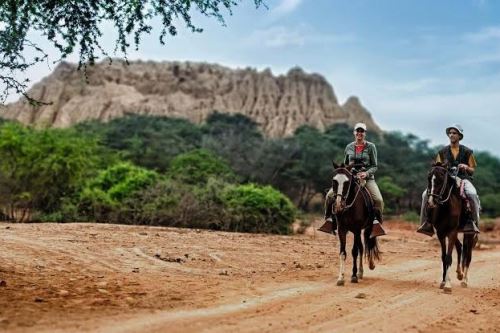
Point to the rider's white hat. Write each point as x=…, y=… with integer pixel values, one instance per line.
x=458, y=128
x=360, y=125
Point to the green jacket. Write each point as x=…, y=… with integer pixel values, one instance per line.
x=368, y=157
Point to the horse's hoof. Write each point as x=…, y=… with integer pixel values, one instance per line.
x=360, y=276
x=447, y=290
x=441, y=286
x=371, y=266
x=354, y=279
x=340, y=282
x=460, y=276
x=463, y=284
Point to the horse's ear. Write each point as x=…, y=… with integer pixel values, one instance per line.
x=434, y=163
x=349, y=166
x=335, y=165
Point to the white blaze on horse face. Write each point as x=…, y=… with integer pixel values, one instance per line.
x=341, y=179
x=431, y=198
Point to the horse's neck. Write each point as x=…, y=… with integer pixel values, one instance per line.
x=451, y=192
x=352, y=190
x=452, y=185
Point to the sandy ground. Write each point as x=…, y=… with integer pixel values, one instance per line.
x=112, y=278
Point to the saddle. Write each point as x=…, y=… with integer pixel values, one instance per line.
x=466, y=213
x=370, y=205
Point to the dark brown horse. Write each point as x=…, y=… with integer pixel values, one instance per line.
x=445, y=211
x=353, y=215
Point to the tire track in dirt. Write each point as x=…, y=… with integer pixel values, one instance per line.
x=393, y=292
x=89, y=258
x=422, y=304
x=192, y=280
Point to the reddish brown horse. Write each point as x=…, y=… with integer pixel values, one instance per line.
x=445, y=212
x=353, y=215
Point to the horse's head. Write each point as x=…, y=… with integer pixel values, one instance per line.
x=341, y=184
x=438, y=183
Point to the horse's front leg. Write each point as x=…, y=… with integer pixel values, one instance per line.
x=442, y=241
x=355, y=250
x=458, y=247
x=466, y=262
x=452, y=237
x=467, y=256
x=342, y=256
x=360, y=248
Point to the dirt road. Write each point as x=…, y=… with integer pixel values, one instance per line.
x=112, y=278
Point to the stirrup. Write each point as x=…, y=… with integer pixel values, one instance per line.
x=377, y=229
x=470, y=227
x=328, y=227
x=427, y=229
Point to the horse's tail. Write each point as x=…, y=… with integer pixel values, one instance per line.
x=371, y=244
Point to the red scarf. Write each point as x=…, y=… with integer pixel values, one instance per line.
x=359, y=148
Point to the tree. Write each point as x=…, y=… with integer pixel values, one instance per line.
x=255, y=208
x=237, y=139
x=197, y=166
x=150, y=142
x=392, y=193
x=311, y=173
x=39, y=169
x=72, y=26
x=105, y=194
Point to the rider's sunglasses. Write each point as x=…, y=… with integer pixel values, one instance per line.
x=452, y=132
x=360, y=130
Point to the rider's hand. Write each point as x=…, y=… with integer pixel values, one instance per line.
x=463, y=166
x=362, y=175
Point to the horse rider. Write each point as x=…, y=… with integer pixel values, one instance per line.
x=362, y=152
x=462, y=158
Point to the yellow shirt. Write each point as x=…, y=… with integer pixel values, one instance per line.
x=454, y=151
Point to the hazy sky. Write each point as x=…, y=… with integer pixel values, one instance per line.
x=417, y=66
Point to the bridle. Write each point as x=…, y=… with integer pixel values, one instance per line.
x=447, y=177
x=343, y=198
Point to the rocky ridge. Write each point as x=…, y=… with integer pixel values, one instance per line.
x=279, y=104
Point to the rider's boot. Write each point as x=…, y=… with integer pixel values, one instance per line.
x=472, y=221
x=426, y=227
x=470, y=227
x=377, y=229
x=330, y=224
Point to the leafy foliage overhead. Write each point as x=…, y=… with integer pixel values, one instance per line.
x=79, y=26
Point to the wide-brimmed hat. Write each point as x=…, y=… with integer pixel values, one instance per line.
x=458, y=128
x=360, y=125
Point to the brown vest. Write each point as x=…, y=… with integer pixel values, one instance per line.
x=463, y=156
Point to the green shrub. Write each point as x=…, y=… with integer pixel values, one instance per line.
x=411, y=216
x=39, y=168
x=254, y=208
x=490, y=204
x=104, y=195
x=197, y=166
x=68, y=212
x=173, y=203
x=216, y=205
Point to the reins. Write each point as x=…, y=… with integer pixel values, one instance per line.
x=443, y=188
x=352, y=180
